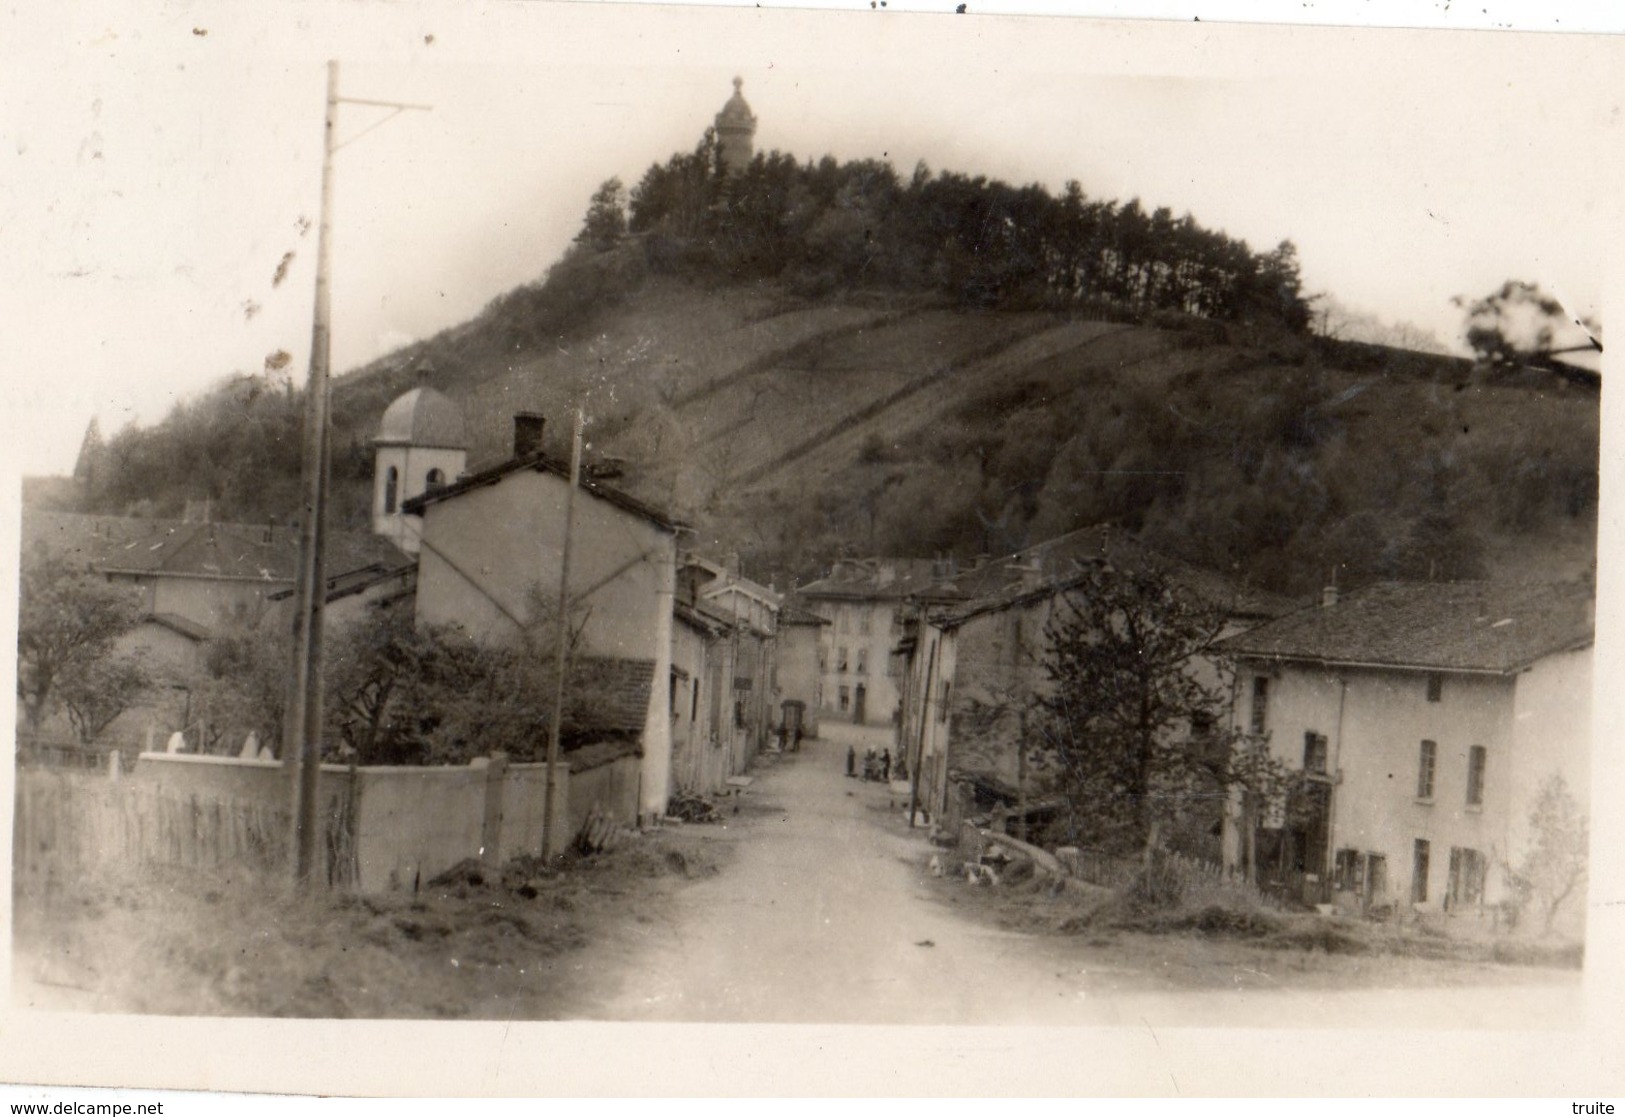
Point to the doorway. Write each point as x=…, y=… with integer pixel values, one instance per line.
x=1421, y=853
x=859, y=702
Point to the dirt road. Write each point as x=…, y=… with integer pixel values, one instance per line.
x=826, y=916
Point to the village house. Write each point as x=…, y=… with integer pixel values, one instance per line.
x=211, y=576
x=735, y=621
x=1423, y=719
x=701, y=760
x=974, y=666
x=866, y=602
x=196, y=579
x=801, y=678
x=491, y=548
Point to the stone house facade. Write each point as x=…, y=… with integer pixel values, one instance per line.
x=1427, y=716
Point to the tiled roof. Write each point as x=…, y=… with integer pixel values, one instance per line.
x=239, y=552
x=880, y=579
x=584, y=758
x=700, y=622
x=791, y=613
x=87, y=540
x=1454, y=626
x=619, y=690
x=1059, y=564
x=541, y=463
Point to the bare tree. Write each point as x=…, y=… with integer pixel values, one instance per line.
x=1134, y=732
x=98, y=691
x=1554, y=868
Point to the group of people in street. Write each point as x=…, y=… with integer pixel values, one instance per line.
x=875, y=767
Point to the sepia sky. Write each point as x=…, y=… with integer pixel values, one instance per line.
x=159, y=162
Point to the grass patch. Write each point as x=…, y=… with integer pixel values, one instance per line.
x=476, y=944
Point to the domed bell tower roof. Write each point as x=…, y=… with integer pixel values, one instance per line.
x=422, y=417
x=736, y=112
x=736, y=130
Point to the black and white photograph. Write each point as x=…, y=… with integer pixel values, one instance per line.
x=611, y=520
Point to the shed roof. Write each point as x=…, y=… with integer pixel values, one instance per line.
x=1494, y=627
x=620, y=693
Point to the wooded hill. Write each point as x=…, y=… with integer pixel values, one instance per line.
x=806, y=360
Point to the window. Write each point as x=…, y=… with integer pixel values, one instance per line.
x=1435, y=687
x=392, y=483
x=1465, y=886
x=863, y=661
x=1421, y=852
x=694, y=701
x=823, y=660
x=846, y=699
x=840, y=659
x=863, y=621
x=1261, y=703
x=1427, y=759
x=1314, y=752
x=1349, y=872
x=947, y=692
x=436, y=478
x=1475, y=776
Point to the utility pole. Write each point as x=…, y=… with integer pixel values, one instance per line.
x=302, y=721
x=301, y=747
x=555, y=728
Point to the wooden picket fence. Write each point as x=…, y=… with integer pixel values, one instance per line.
x=1176, y=873
x=69, y=822
x=65, y=752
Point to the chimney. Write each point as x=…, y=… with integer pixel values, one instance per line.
x=527, y=433
x=1328, y=597
x=1029, y=572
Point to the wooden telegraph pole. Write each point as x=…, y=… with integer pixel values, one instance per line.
x=302, y=722
x=301, y=727
x=553, y=731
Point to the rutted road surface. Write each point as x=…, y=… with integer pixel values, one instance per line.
x=825, y=916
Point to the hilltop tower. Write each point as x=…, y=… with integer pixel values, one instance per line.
x=736, y=130
x=421, y=444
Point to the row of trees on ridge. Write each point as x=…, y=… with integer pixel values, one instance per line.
x=828, y=225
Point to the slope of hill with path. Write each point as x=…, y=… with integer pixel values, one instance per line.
x=792, y=429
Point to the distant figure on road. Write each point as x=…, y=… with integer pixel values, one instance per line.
x=795, y=740
x=784, y=736
x=851, y=762
x=885, y=766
